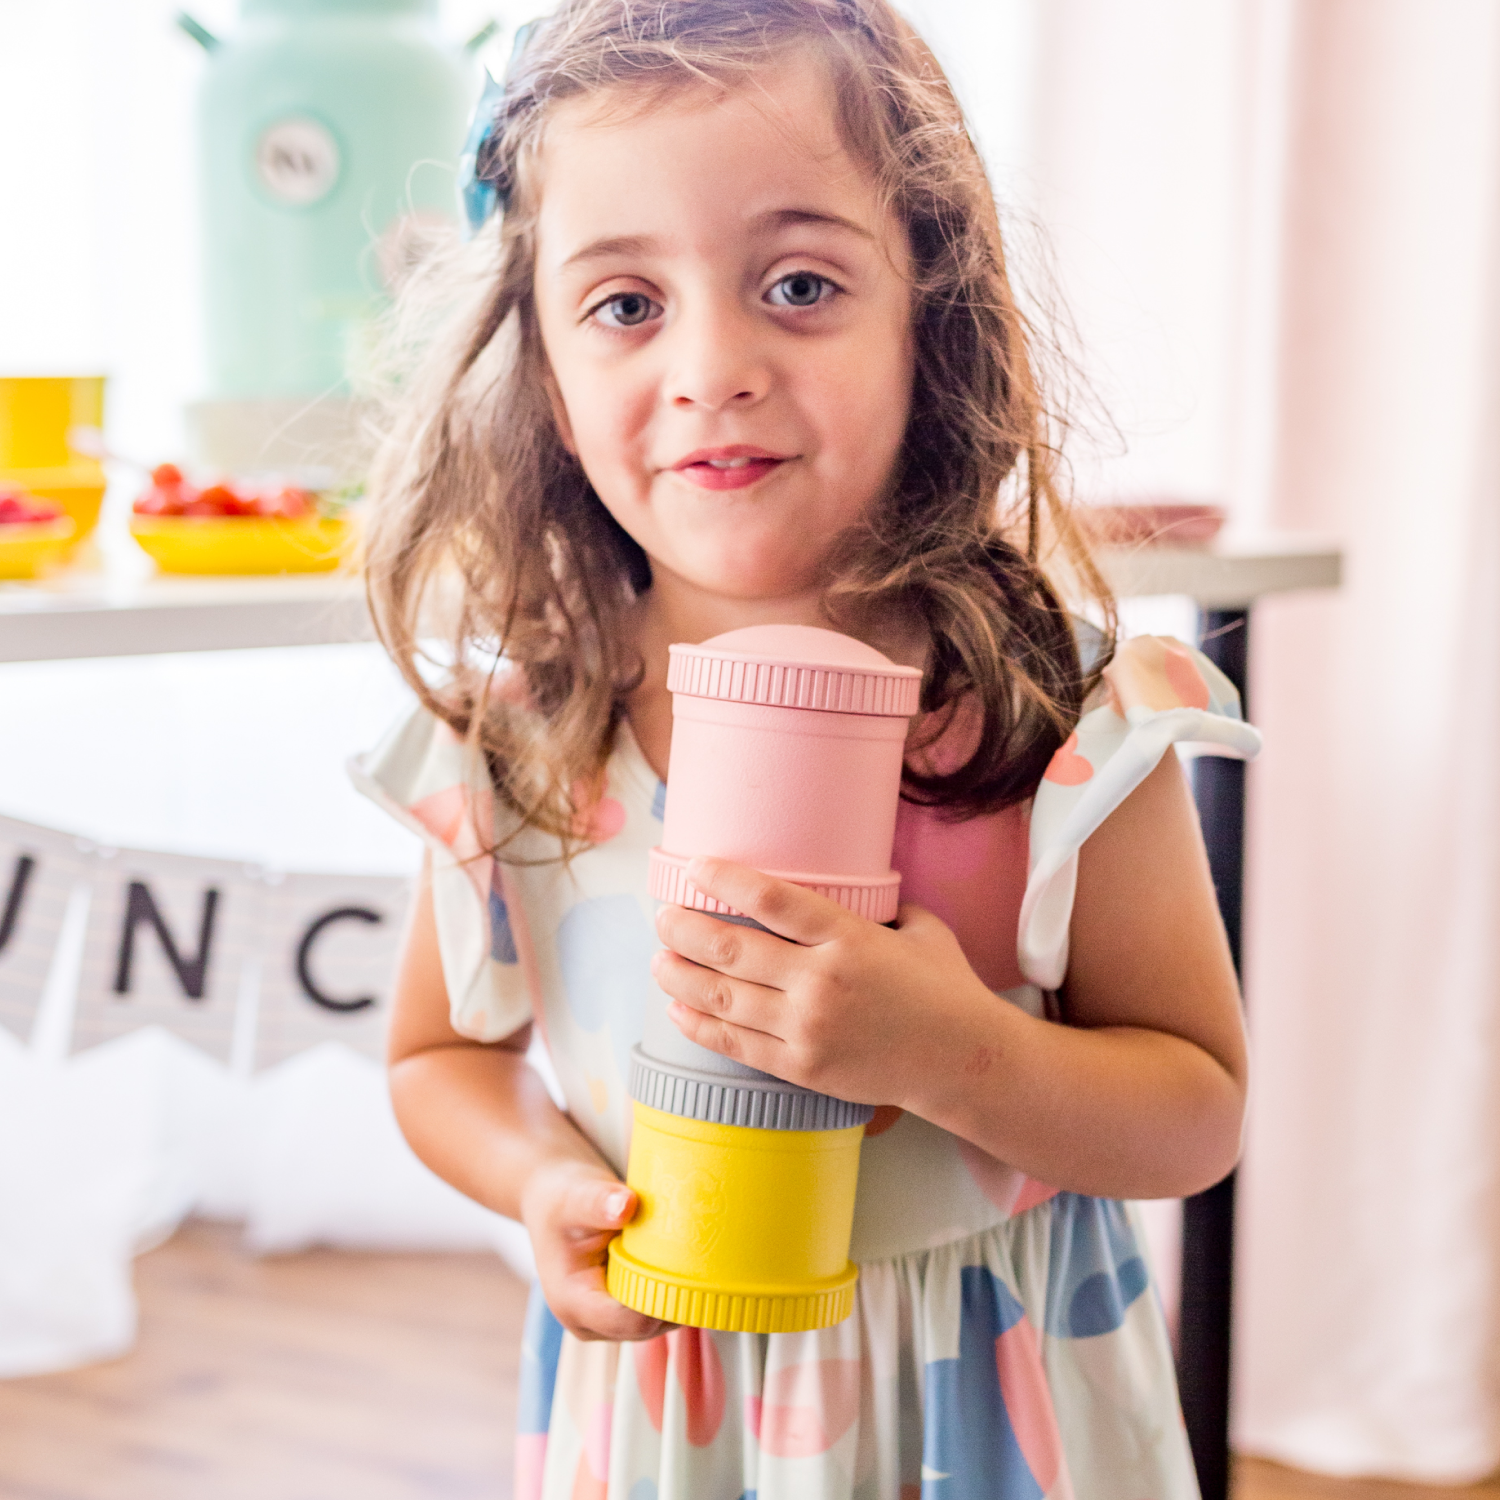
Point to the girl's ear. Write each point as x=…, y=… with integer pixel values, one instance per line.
x=559, y=411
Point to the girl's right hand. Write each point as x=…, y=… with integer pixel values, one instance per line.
x=573, y=1209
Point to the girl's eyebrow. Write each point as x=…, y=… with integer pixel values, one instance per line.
x=619, y=244
x=772, y=219
x=790, y=218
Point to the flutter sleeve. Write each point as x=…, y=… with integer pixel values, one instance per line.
x=419, y=773
x=1156, y=692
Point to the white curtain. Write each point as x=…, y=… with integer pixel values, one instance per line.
x=1370, y=1308
x=1293, y=202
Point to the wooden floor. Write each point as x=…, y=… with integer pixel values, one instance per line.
x=329, y=1376
x=322, y=1376
x=1256, y=1480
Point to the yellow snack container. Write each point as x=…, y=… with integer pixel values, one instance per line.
x=739, y=1228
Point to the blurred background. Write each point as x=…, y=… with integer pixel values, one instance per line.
x=1265, y=234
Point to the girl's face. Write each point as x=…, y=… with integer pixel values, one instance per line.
x=725, y=308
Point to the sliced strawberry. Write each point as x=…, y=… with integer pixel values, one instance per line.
x=216, y=500
x=169, y=495
x=287, y=503
x=17, y=508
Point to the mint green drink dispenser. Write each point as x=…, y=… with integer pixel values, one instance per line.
x=330, y=131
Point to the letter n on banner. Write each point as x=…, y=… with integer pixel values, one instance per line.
x=330, y=963
x=168, y=936
x=38, y=870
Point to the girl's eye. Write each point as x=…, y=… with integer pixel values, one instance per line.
x=626, y=310
x=801, y=289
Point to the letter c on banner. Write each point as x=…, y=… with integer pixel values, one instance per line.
x=304, y=954
x=10, y=918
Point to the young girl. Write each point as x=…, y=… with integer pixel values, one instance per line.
x=747, y=353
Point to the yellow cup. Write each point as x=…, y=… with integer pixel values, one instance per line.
x=36, y=412
x=739, y=1228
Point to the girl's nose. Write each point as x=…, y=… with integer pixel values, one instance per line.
x=716, y=361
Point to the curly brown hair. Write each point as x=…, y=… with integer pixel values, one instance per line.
x=477, y=499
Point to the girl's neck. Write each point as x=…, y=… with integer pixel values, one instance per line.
x=671, y=612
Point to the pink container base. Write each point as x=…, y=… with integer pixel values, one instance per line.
x=784, y=789
x=874, y=897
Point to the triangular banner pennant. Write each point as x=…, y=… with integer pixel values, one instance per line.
x=328, y=963
x=39, y=869
x=167, y=944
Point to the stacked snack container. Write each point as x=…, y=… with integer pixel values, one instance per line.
x=787, y=746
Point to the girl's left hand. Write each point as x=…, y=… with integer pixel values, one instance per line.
x=824, y=999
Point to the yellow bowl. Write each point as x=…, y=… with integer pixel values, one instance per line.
x=243, y=544
x=77, y=487
x=31, y=547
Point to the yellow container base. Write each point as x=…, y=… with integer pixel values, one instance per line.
x=31, y=548
x=243, y=544
x=679, y=1299
x=78, y=488
x=739, y=1227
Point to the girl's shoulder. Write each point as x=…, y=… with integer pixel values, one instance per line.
x=1003, y=880
x=428, y=778
x=434, y=780
x=1155, y=693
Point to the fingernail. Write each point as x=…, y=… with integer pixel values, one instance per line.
x=616, y=1204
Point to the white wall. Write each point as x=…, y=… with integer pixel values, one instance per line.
x=239, y=752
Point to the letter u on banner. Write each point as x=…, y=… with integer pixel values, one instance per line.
x=168, y=937
x=38, y=870
x=329, y=963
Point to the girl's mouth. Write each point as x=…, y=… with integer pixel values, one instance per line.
x=727, y=468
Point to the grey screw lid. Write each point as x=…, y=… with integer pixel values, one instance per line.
x=718, y=1100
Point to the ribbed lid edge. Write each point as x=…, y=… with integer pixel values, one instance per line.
x=721, y=1100
x=876, y=898
x=703, y=672
x=674, y=1299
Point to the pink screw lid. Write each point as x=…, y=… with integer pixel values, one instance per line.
x=795, y=666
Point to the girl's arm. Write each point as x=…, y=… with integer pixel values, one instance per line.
x=1140, y=1095
x=480, y=1116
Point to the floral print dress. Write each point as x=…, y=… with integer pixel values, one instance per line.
x=1006, y=1342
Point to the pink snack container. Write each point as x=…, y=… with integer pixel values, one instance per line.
x=786, y=755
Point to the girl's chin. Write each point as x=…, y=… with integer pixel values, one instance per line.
x=764, y=584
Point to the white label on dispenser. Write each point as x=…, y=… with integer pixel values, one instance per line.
x=297, y=160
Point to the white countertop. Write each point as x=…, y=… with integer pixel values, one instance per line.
x=126, y=610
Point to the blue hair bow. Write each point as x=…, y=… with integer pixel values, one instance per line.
x=478, y=195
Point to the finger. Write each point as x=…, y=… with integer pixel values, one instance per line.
x=917, y=919
x=756, y=1049
x=591, y=1313
x=790, y=911
x=597, y=1205
x=729, y=947
x=715, y=994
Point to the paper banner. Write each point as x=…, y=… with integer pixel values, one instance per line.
x=167, y=940
x=38, y=870
x=329, y=963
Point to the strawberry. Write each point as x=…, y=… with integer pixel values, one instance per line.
x=17, y=508
x=219, y=500
x=288, y=503
x=169, y=495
